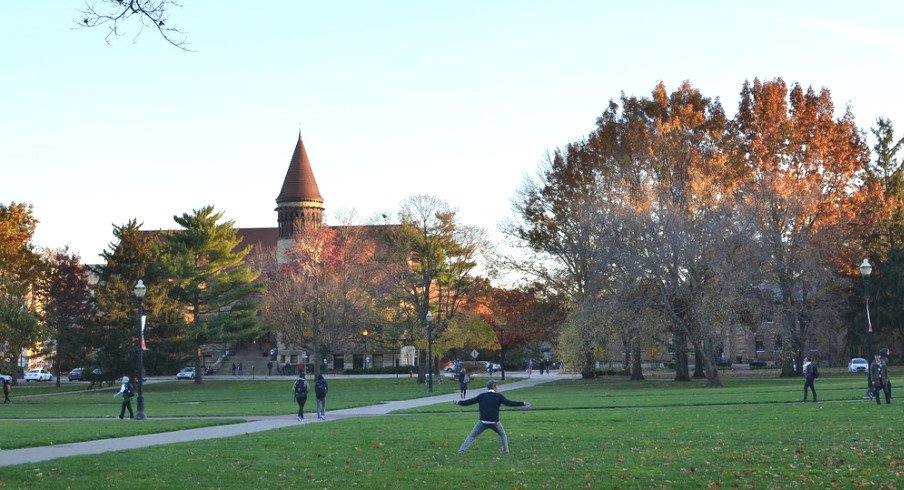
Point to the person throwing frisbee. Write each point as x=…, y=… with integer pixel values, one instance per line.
x=489, y=401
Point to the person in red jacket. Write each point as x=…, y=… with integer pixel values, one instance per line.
x=489, y=403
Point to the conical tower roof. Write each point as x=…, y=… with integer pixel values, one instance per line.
x=299, y=184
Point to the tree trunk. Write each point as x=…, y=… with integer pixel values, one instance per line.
x=699, y=370
x=421, y=366
x=709, y=364
x=682, y=373
x=588, y=370
x=636, y=371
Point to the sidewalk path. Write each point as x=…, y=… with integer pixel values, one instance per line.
x=255, y=424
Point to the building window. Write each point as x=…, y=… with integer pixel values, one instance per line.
x=338, y=362
x=376, y=360
x=357, y=361
x=758, y=341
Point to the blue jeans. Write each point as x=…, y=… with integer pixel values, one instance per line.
x=479, y=428
x=321, y=407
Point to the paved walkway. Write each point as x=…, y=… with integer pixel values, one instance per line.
x=254, y=424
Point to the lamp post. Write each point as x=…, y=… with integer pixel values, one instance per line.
x=429, y=319
x=865, y=270
x=140, y=290
x=365, y=334
x=502, y=350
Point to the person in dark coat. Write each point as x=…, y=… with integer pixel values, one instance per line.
x=301, y=394
x=126, y=391
x=320, y=390
x=463, y=379
x=809, y=377
x=489, y=403
x=878, y=376
x=7, y=388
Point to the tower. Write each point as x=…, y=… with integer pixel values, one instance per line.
x=299, y=205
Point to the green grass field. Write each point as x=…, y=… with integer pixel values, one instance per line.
x=225, y=398
x=21, y=433
x=605, y=433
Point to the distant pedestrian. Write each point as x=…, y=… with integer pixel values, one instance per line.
x=240, y=369
x=234, y=368
x=810, y=375
x=879, y=377
x=126, y=391
x=286, y=369
x=269, y=367
x=489, y=403
x=883, y=354
x=7, y=388
x=463, y=379
x=530, y=367
x=301, y=394
x=457, y=366
x=320, y=391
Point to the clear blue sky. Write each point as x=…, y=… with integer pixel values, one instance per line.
x=457, y=99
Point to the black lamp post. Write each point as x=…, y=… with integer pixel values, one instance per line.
x=865, y=270
x=365, y=334
x=140, y=290
x=502, y=350
x=429, y=319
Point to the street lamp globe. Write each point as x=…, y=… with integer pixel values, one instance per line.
x=140, y=290
x=866, y=268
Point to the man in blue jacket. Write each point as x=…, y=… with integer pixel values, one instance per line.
x=490, y=402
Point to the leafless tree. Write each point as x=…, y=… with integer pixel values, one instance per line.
x=119, y=16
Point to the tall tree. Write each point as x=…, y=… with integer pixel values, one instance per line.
x=211, y=280
x=20, y=268
x=67, y=308
x=803, y=169
x=134, y=256
x=427, y=264
x=321, y=298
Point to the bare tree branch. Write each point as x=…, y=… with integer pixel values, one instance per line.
x=118, y=15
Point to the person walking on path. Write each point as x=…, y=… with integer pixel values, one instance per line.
x=7, y=388
x=810, y=375
x=879, y=378
x=530, y=367
x=463, y=379
x=301, y=394
x=320, y=391
x=269, y=367
x=489, y=403
x=234, y=367
x=883, y=354
x=126, y=391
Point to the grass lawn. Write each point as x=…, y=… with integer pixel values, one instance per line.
x=36, y=433
x=215, y=398
x=599, y=434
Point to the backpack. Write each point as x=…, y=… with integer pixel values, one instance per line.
x=466, y=379
x=815, y=372
x=301, y=388
x=128, y=392
x=320, y=388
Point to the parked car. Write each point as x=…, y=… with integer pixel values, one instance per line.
x=78, y=374
x=6, y=377
x=38, y=375
x=186, y=373
x=858, y=365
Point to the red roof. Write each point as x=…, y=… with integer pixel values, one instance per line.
x=299, y=184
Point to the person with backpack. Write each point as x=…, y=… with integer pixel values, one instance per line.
x=810, y=375
x=126, y=391
x=463, y=379
x=301, y=394
x=320, y=390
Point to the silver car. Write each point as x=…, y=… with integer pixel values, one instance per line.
x=858, y=365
